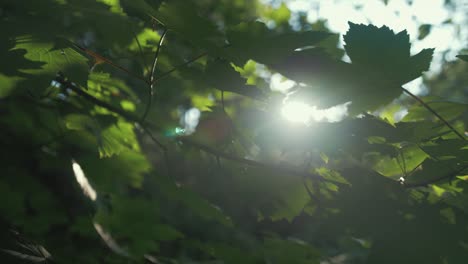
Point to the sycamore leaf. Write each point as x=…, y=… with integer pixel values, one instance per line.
x=54, y=60
x=380, y=49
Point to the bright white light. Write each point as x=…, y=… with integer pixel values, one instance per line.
x=280, y=84
x=83, y=181
x=303, y=113
x=297, y=112
x=333, y=114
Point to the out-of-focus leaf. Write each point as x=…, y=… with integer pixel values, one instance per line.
x=424, y=31
x=463, y=57
x=182, y=18
x=331, y=175
x=448, y=110
x=290, y=251
x=280, y=15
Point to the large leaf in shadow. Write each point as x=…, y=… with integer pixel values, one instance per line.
x=253, y=40
x=220, y=74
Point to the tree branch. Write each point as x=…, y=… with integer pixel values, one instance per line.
x=250, y=162
x=131, y=117
x=434, y=112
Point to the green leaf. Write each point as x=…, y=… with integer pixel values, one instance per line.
x=447, y=109
x=181, y=17
x=435, y=169
x=224, y=77
x=280, y=15
x=445, y=149
x=404, y=163
x=7, y=85
x=381, y=50
x=331, y=175
x=139, y=8
x=290, y=251
x=54, y=60
x=253, y=40
x=112, y=136
x=463, y=57
x=424, y=31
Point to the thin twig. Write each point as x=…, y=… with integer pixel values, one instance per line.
x=165, y=74
x=434, y=112
x=143, y=60
x=153, y=138
x=151, y=80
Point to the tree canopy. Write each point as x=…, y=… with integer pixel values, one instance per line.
x=145, y=131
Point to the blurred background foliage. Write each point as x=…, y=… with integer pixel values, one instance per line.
x=231, y=131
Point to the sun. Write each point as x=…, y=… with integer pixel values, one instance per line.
x=297, y=112
x=300, y=112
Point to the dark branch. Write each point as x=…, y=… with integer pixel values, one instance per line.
x=434, y=112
